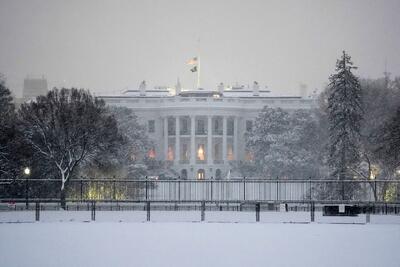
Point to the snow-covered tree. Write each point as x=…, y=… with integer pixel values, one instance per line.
x=129, y=149
x=282, y=143
x=345, y=115
x=7, y=131
x=67, y=127
x=390, y=141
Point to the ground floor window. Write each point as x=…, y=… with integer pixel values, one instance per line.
x=184, y=174
x=218, y=174
x=201, y=174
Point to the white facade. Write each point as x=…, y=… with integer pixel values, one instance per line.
x=199, y=131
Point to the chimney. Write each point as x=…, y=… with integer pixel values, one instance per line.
x=142, y=88
x=303, y=90
x=178, y=88
x=256, y=89
x=221, y=88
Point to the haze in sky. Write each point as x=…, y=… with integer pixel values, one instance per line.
x=107, y=46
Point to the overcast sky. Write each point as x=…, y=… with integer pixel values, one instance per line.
x=107, y=46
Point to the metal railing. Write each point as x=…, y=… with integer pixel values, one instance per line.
x=235, y=190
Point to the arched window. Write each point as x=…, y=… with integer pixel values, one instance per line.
x=218, y=174
x=201, y=174
x=184, y=174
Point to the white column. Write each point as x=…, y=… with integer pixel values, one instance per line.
x=192, y=140
x=224, y=132
x=165, y=138
x=235, y=138
x=209, y=140
x=177, y=140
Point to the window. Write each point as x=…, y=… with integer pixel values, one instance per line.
x=217, y=126
x=230, y=152
x=249, y=125
x=184, y=174
x=170, y=153
x=184, y=126
x=230, y=126
x=218, y=175
x=200, y=127
x=201, y=174
x=151, y=126
x=171, y=126
x=152, y=153
x=217, y=152
x=185, y=152
x=201, y=153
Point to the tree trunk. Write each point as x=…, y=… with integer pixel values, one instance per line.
x=63, y=199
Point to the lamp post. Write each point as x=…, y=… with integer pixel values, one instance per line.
x=27, y=173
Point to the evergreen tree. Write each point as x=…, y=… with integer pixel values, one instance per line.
x=7, y=131
x=345, y=114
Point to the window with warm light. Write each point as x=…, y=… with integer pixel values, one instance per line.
x=170, y=154
x=201, y=155
x=152, y=153
x=201, y=174
x=230, y=152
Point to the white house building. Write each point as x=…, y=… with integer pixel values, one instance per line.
x=201, y=131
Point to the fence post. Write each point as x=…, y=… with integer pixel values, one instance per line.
x=81, y=189
x=179, y=189
x=211, y=188
x=257, y=212
x=148, y=210
x=310, y=189
x=244, y=187
x=146, y=184
x=37, y=211
x=312, y=211
x=203, y=209
x=93, y=211
x=368, y=214
x=343, y=197
x=114, y=190
x=277, y=188
x=27, y=193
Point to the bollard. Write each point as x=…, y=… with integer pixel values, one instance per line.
x=367, y=217
x=93, y=211
x=37, y=211
x=203, y=209
x=148, y=210
x=312, y=211
x=257, y=212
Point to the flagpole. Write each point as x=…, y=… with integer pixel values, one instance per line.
x=198, y=64
x=198, y=72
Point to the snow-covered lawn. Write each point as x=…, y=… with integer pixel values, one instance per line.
x=178, y=239
x=190, y=216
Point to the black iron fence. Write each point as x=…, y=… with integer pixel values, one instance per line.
x=205, y=190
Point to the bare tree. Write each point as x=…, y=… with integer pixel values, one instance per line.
x=67, y=127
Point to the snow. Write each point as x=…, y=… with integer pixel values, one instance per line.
x=177, y=238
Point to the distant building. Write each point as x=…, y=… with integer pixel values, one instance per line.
x=201, y=131
x=34, y=88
